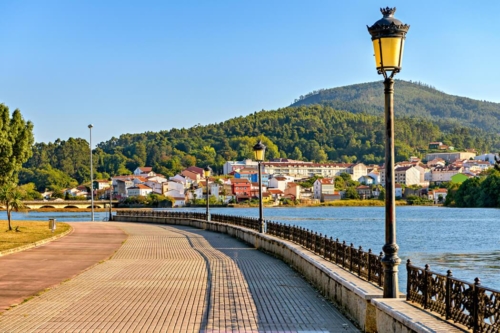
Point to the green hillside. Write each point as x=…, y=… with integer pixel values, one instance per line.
x=410, y=99
x=316, y=129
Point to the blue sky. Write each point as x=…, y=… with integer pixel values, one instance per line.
x=137, y=66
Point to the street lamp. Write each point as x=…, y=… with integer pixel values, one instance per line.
x=110, y=199
x=91, y=176
x=207, y=171
x=259, y=151
x=388, y=36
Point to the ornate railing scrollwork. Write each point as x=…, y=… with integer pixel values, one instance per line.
x=466, y=303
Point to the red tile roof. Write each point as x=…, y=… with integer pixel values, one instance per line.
x=239, y=180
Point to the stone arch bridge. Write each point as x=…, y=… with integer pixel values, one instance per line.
x=64, y=204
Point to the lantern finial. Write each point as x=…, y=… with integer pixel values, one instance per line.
x=388, y=12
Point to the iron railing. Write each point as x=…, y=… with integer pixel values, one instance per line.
x=367, y=265
x=469, y=304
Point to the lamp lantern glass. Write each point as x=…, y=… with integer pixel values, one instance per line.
x=207, y=171
x=388, y=37
x=259, y=151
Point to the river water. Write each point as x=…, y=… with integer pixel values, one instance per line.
x=465, y=240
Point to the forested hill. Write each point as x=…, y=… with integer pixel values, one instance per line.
x=410, y=99
x=312, y=133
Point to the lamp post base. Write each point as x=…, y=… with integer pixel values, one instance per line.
x=391, y=261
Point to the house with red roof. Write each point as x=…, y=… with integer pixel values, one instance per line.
x=438, y=195
x=139, y=190
x=241, y=189
x=144, y=171
x=322, y=187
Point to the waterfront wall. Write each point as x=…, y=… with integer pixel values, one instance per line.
x=359, y=299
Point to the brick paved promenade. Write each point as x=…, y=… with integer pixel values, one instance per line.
x=179, y=279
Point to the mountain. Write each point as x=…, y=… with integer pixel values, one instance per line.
x=341, y=125
x=411, y=99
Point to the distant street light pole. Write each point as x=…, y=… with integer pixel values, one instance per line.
x=110, y=199
x=388, y=36
x=207, y=171
x=91, y=176
x=259, y=151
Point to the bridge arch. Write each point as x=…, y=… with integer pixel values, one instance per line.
x=47, y=206
x=71, y=206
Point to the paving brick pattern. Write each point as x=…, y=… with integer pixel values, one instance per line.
x=179, y=279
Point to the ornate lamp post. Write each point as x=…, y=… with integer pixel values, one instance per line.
x=207, y=171
x=388, y=36
x=259, y=151
x=110, y=199
x=91, y=176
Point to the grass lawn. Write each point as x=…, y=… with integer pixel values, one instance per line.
x=29, y=232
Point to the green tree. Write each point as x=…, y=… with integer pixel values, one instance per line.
x=351, y=193
x=296, y=154
x=16, y=140
x=468, y=193
x=12, y=198
x=29, y=192
x=490, y=191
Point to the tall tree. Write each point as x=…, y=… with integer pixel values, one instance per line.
x=16, y=141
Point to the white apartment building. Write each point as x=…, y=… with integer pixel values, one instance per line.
x=487, y=157
x=231, y=166
x=443, y=174
x=451, y=157
x=307, y=169
x=407, y=175
x=139, y=190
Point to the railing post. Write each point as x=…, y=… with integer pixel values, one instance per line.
x=337, y=251
x=380, y=269
x=426, y=286
x=359, y=259
x=351, y=248
x=369, y=264
x=320, y=243
x=344, y=247
x=330, y=249
x=475, y=305
x=448, y=294
x=408, y=281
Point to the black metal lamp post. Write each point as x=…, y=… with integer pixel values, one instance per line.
x=388, y=36
x=207, y=172
x=110, y=199
x=91, y=176
x=259, y=151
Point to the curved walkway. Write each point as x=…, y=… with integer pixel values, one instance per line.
x=179, y=279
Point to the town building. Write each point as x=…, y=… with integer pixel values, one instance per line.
x=444, y=174
x=323, y=187
x=241, y=189
x=451, y=157
x=232, y=166
x=144, y=171
x=139, y=190
x=438, y=195
x=308, y=169
x=407, y=175
x=364, y=191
